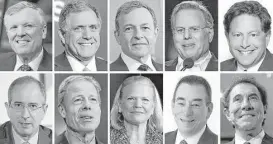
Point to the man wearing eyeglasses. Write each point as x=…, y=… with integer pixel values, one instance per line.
x=26, y=108
x=192, y=29
x=192, y=107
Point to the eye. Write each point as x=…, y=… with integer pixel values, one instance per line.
x=146, y=28
x=130, y=98
x=93, y=100
x=13, y=27
x=77, y=101
x=196, y=105
x=33, y=106
x=254, y=35
x=128, y=29
x=180, y=30
x=145, y=100
x=194, y=29
x=78, y=29
x=17, y=105
x=28, y=26
x=253, y=97
x=237, y=35
x=93, y=27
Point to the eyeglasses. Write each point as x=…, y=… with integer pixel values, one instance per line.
x=192, y=30
x=30, y=106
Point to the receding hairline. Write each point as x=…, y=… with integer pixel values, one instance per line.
x=192, y=84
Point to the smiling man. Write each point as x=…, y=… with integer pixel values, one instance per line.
x=80, y=26
x=192, y=28
x=245, y=105
x=26, y=28
x=136, y=32
x=26, y=108
x=192, y=107
x=248, y=30
x=79, y=104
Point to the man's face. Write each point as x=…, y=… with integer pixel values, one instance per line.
x=81, y=106
x=190, y=108
x=25, y=32
x=190, y=35
x=82, y=36
x=246, y=111
x=247, y=42
x=25, y=120
x=137, y=103
x=137, y=33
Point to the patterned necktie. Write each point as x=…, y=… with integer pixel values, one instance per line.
x=25, y=67
x=86, y=69
x=144, y=67
x=183, y=142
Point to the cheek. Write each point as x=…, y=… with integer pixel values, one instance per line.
x=177, y=39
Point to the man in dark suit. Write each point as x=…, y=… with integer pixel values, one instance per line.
x=79, y=104
x=136, y=32
x=80, y=25
x=192, y=107
x=245, y=105
x=26, y=28
x=248, y=31
x=192, y=29
x=26, y=108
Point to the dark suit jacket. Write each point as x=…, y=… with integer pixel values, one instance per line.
x=62, y=64
x=212, y=65
x=8, y=61
x=207, y=137
x=61, y=139
x=119, y=65
x=267, y=64
x=266, y=140
x=6, y=136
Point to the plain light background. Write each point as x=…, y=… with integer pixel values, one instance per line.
x=170, y=81
x=227, y=131
x=101, y=6
x=7, y=79
x=114, y=47
x=224, y=5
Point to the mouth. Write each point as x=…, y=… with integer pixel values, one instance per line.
x=138, y=44
x=86, y=118
x=25, y=124
x=22, y=42
x=245, y=52
x=186, y=121
x=137, y=112
x=86, y=44
x=247, y=116
x=188, y=45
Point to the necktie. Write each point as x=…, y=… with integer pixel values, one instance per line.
x=245, y=70
x=183, y=142
x=247, y=143
x=25, y=143
x=25, y=67
x=144, y=67
x=86, y=69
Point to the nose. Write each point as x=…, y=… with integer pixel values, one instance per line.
x=21, y=31
x=245, y=43
x=87, y=105
x=187, y=34
x=138, y=33
x=246, y=105
x=25, y=113
x=138, y=103
x=188, y=110
x=87, y=34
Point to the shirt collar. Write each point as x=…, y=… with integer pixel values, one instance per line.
x=255, y=140
x=133, y=64
x=34, y=64
x=254, y=68
x=75, y=138
x=78, y=66
x=199, y=65
x=192, y=139
x=19, y=140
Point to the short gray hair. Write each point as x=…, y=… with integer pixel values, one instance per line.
x=75, y=6
x=22, y=5
x=196, y=6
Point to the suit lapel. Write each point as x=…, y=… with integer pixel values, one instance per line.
x=9, y=63
x=43, y=137
x=267, y=64
x=122, y=65
x=171, y=137
x=213, y=64
x=61, y=63
x=46, y=63
x=157, y=66
x=207, y=137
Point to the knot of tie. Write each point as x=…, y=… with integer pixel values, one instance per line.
x=183, y=142
x=86, y=69
x=25, y=143
x=247, y=143
x=144, y=67
x=25, y=67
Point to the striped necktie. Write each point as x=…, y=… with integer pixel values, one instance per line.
x=144, y=67
x=25, y=67
x=183, y=142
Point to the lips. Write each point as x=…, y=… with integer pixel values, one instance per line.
x=136, y=44
x=188, y=45
x=22, y=42
x=247, y=116
x=86, y=43
x=245, y=52
x=25, y=124
x=86, y=118
x=137, y=112
x=186, y=120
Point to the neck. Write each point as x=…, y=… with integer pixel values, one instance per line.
x=84, y=137
x=27, y=58
x=136, y=133
x=248, y=134
x=85, y=62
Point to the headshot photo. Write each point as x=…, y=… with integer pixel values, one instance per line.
x=191, y=35
x=26, y=38
x=246, y=109
x=136, y=109
x=81, y=109
x=26, y=109
x=191, y=108
x=245, y=36
x=80, y=35
x=136, y=35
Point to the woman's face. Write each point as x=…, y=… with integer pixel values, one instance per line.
x=137, y=103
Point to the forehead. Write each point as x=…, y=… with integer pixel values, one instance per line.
x=83, y=18
x=79, y=86
x=138, y=90
x=245, y=23
x=244, y=89
x=191, y=92
x=189, y=17
x=24, y=16
x=136, y=17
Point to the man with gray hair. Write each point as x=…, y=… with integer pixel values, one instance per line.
x=26, y=108
x=26, y=28
x=136, y=32
x=79, y=104
x=79, y=31
x=192, y=29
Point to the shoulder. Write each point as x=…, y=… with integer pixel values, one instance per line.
x=7, y=55
x=267, y=139
x=101, y=60
x=118, y=65
x=171, y=65
x=61, y=139
x=228, y=65
x=170, y=137
x=3, y=129
x=101, y=64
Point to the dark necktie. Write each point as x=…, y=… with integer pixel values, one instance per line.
x=25, y=67
x=247, y=143
x=183, y=142
x=245, y=70
x=144, y=67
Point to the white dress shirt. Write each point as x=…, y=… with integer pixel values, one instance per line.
x=78, y=66
x=255, y=140
x=34, y=64
x=199, y=65
x=19, y=140
x=254, y=68
x=133, y=64
x=190, y=140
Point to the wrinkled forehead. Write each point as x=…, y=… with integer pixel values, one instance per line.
x=85, y=17
x=244, y=89
x=190, y=17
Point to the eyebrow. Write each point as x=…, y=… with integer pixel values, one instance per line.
x=198, y=100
